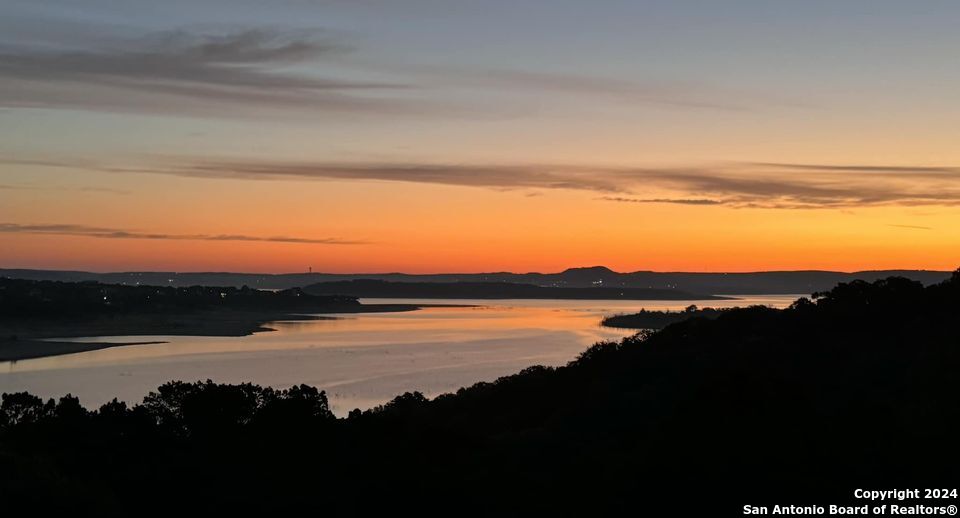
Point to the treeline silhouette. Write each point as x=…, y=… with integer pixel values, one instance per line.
x=659, y=319
x=764, y=283
x=856, y=388
x=493, y=290
x=54, y=299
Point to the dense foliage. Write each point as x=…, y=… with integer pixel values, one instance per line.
x=854, y=389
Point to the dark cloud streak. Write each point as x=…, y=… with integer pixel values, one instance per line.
x=913, y=227
x=747, y=185
x=860, y=168
x=112, y=233
x=677, y=201
x=195, y=74
x=286, y=73
x=744, y=186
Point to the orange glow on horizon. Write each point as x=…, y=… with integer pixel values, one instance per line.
x=429, y=228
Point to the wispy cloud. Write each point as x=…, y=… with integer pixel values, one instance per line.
x=677, y=201
x=740, y=185
x=757, y=186
x=261, y=71
x=107, y=190
x=189, y=73
x=650, y=91
x=912, y=227
x=113, y=233
x=496, y=176
x=894, y=169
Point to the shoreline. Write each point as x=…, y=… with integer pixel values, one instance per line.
x=655, y=320
x=32, y=339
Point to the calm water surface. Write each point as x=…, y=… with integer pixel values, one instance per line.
x=361, y=360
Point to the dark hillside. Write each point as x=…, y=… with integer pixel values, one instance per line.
x=855, y=389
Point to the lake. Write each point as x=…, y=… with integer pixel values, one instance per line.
x=361, y=360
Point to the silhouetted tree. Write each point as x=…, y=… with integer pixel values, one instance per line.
x=855, y=387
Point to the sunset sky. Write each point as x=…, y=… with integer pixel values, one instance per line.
x=455, y=136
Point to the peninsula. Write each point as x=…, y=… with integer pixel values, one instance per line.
x=37, y=316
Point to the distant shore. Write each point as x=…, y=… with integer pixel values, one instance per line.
x=372, y=288
x=659, y=319
x=36, y=338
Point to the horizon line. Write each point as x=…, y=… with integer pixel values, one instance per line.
x=499, y=272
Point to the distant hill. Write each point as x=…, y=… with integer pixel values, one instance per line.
x=780, y=282
x=489, y=290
